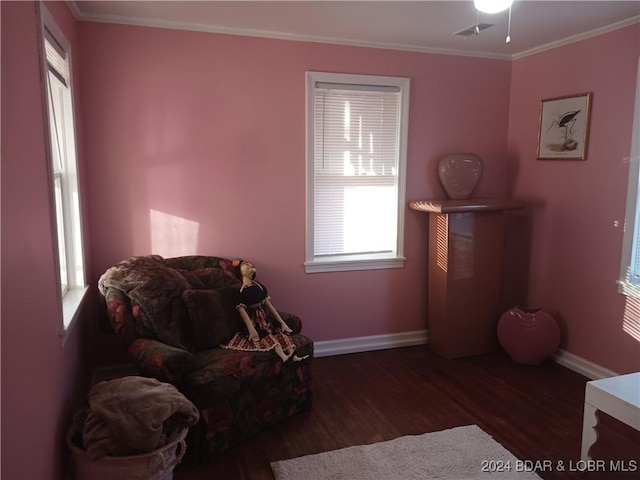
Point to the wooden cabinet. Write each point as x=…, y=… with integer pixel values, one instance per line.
x=465, y=273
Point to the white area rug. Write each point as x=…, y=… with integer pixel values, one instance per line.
x=460, y=453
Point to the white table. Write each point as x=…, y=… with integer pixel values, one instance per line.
x=616, y=396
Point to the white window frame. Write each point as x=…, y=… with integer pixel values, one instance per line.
x=627, y=285
x=66, y=214
x=394, y=259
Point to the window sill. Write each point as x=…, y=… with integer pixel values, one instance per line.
x=628, y=289
x=349, y=264
x=71, y=305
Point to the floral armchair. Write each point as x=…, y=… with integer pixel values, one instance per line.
x=172, y=314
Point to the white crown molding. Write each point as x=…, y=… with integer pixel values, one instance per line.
x=577, y=38
x=75, y=10
x=196, y=27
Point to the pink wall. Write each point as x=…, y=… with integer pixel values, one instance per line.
x=576, y=204
x=196, y=144
x=41, y=380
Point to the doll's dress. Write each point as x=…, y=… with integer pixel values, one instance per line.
x=253, y=298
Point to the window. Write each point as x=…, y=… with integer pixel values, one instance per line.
x=356, y=157
x=630, y=270
x=60, y=125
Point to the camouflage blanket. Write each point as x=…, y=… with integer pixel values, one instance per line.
x=154, y=286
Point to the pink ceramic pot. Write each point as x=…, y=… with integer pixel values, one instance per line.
x=529, y=335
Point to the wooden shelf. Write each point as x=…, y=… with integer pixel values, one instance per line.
x=465, y=273
x=466, y=206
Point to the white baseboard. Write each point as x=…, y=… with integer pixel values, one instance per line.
x=367, y=344
x=584, y=367
x=343, y=346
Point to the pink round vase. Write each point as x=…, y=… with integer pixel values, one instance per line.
x=529, y=335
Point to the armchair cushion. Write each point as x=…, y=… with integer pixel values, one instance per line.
x=164, y=362
x=213, y=277
x=213, y=316
x=222, y=373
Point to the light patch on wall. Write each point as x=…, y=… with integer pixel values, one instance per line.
x=631, y=320
x=172, y=236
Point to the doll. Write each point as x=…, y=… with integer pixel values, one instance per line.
x=265, y=328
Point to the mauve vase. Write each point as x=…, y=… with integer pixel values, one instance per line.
x=528, y=335
x=459, y=174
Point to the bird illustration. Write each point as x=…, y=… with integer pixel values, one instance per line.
x=566, y=121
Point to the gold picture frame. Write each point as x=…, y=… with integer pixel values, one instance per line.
x=563, y=127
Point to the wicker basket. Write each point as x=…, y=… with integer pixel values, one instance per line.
x=156, y=465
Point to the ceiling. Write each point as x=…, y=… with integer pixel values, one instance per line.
x=426, y=26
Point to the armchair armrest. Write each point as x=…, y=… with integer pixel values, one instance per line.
x=161, y=361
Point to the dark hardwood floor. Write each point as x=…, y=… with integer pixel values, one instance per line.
x=535, y=412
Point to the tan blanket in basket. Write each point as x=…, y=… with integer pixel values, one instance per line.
x=133, y=415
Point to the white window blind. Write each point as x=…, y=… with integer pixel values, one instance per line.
x=356, y=171
x=56, y=57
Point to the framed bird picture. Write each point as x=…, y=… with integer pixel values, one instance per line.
x=563, y=129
